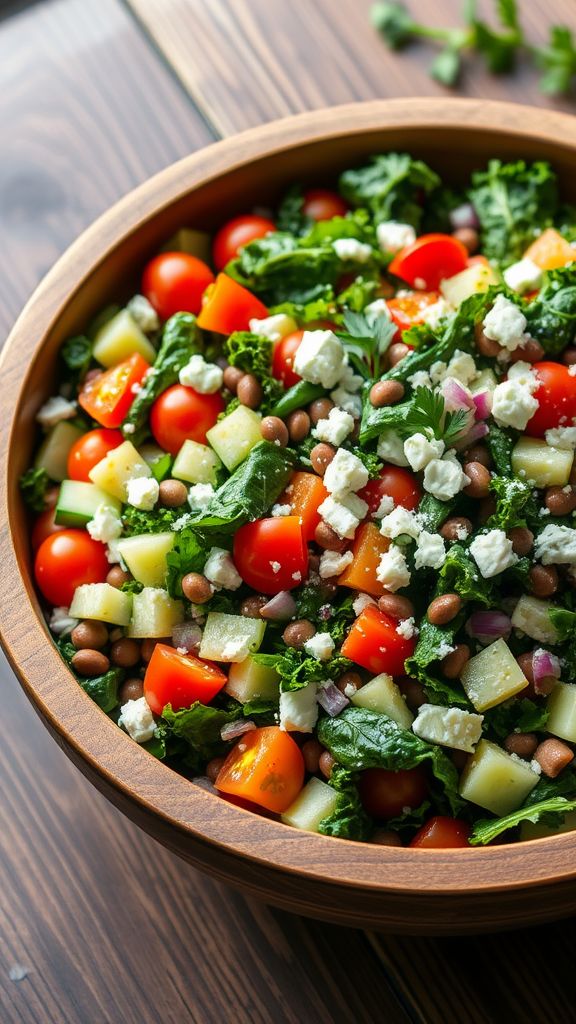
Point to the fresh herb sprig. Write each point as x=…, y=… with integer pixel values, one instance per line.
x=367, y=341
x=427, y=414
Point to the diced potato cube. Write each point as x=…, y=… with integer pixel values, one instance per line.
x=145, y=556
x=538, y=830
x=561, y=707
x=546, y=466
x=450, y=727
x=314, y=803
x=120, y=338
x=234, y=437
x=474, y=279
x=382, y=694
x=102, y=602
x=154, y=613
x=531, y=616
x=550, y=250
x=55, y=448
x=495, y=780
x=119, y=466
x=247, y=680
x=196, y=463
x=492, y=676
x=230, y=637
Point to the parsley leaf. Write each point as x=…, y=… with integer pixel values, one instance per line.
x=367, y=341
x=427, y=414
x=33, y=484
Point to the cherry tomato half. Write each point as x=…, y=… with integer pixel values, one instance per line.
x=89, y=450
x=441, y=834
x=374, y=643
x=283, y=359
x=556, y=397
x=265, y=767
x=179, y=680
x=174, y=282
x=180, y=414
x=270, y=554
x=400, y=484
x=237, y=233
x=108, y=396
x=429, y=260
x=66, y=560
x=43, y=527
x=229, y=306
x=323, y=204
x=384, y=794
x=407, y=310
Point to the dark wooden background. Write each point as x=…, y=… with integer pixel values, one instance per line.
x=107, y=927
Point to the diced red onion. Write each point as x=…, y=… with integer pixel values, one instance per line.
x=488, y=626
x=476, y=433
x=544, y=666
x=281, y=607
x=232, y=730
x=463, y=216
x=186, y=635
x=483, y=404
x=456, y=396
x=331, y=699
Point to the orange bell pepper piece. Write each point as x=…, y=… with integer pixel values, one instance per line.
x=368, y=546
x=305, y=493
x=265, y=767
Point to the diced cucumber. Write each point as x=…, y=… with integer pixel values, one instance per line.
x=145, y=556
x=196, y=463
x=154, y=613
x=78, y=503
x=314, y=803
x=120, y=338
x=492, y=676
x=546, y=466
x=230, y=637
x=234, y=437
x=561, y=706
x=247, y=680
x=382, y=694
x=531, y=615
x=474, y=279
x=195, y=243
x=495, y=780
x=55, y=448
x=119, y=466
x=102, y=602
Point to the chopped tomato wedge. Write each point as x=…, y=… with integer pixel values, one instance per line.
x=442, y=834
x=407, y=310
x=108, y=397
x=385, y=793
x=283, y=359
x=265, y=767
x=394, y=482
x=271, y=554
x=305, y=493
x=374, y=643
x=556, y=398
x=228, y=307
x=179, y=680
x=368, y=547
x=430, y=259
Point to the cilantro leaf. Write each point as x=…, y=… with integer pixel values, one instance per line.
x=427, y=414
x=33, y=485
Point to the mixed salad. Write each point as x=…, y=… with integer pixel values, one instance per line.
x=305, y=507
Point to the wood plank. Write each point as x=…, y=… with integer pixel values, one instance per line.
x=248, y=61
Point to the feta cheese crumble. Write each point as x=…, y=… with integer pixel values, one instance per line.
x=393, y=572
x=419, y=451
x=200, y=496
x=361, y=602
x=340, y=517
x=523, y=276
x=561, y=437
x=445, y=478
x=393, y=235
x=299, y=709
x=281, y=510
x=435, y=313
x=137, y=719
x=390, y=447
x=335, y=428
x=61, y=622
x=352, y=250
x=386, y=505
x=400, y=522
x=492, y=553
x=205, y=378
x=332, y=563
x=220, y=570
x=449, y=727
x=320, y=646
x=407, y=628
x=506, y=324
x=556, y=545
x=513, y=401
x=273, y=327
x=55, y=410
x=430, y=551
x=345, y=473
x=142, y=492
x=105, y=526
x=374, y=310
x=320, y=358
x=143, y=313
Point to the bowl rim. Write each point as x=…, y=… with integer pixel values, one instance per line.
x=70, y=714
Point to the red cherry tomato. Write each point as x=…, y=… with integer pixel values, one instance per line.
x=407, y=310
x=89, y=450
x=265, y=767
x=237, y=233
x=430, y=259
x=44, y=526
x=384, y=794
x=442, y=834
x=229, y=306
x=283, y=359
x=556, y=397
x=179, y=680
x=270, y=554
x=174, y=282
x=400, y=484
x=323, y=204
x=108, y=396
x=66, y=560
x=181, y=414
x=374, y=643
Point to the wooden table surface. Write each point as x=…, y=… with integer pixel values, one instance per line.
x=98, y=924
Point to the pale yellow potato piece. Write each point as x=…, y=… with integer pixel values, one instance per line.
x=383, y=695
x=230, y=637
x=495, y=780
x=196, y=463
x=533, y=459
x=531, y=617
x=145, y=556
x=102, y=602
x=561, y=706
x=154, y=613
x=234, y=437
x=120, y=465
x=474, y=279
x=119, y=339
x=247, y=680
x=314, y=803
x=492, y=676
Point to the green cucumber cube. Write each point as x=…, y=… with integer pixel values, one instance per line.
x=154, y=613
x=55, y=448
x=102, y=602
x=78, y=503
x=196, y=463
x=145, y=556
x=234, y=437
x=314, y=803
x=230, y=637
x=247, y=680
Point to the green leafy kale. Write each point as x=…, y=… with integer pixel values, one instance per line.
x=461, y=574
x=290, y=215
x=391, y=186
x=349, y=819
x=159, y=520
x=280, y=268
x=551, y=812
x=180, y=340
x=500, y=444
x=199, y=727
x=432, y=641
x=515, y=504
x=253, y=353
x=564, y=622
x=433, y=512
x=76, y=354
x=360, y=739
x=551, y=315
x=515, y=716
x=296, y=668
x=33, y=485
x=189, y=554
x=512, y=201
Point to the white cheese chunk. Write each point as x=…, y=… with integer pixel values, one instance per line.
x=142, y=492
x=105, y=526
x=562, y=437
x=556, y=545
x=320, y=646
x=345, y=473
x=273, y=327
x=374, y=310
x=200, y=496
x=350, y=249
x=341, y=518
x=401, y=522
x=55, y=410
x=393, y=235
x=205, y=378
x=137, y=719
x=61, y=622
x=390, y=447
x=506, y=324
x=420, y=450
x=450, y=727
x=435, y=313
x=143, y=313
x=221, y=571
x=335, y=428
x=444, y=478
x=523, y=276
x=332, y=563
x=299, y=709
x=492, y=553
x=430, y=551
x=320, y=358
x=393, y=572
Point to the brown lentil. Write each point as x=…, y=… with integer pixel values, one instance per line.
x=298, y=423
x=479, y=486
x=486, y=346
x=553, y=756
x=88, y=662
x=213, y=768
x=469, y=238
x=148, y=645
x=249, y=391
x=559, y=501
x=250, y=607
x=326, y=763
x=116, y=577
x=232, y=377
x=413, y=691
x=397, y=352
x=125, y=652
x=89, y=635
x=531, y=352
x=319, y=409
x=521, y=743
x=311, y=752
x=197, y=588
x=543, y=580
x=443, y=609
x=569, y=356
x=385, y=837
x=131, y=689
x=486, y=508
x=396, y=606
x=386, y=392
x=455, y=526
x=349, y=679
x=172, y=493
x=321, y=456
x=522, y=539
x=478, y=453
x=297, y=633
x=328, y=539
x=454, y=662
x=274, y=429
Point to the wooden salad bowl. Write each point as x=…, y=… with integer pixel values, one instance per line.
x=403, y=890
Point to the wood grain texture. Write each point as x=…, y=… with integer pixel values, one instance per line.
x=247, y=61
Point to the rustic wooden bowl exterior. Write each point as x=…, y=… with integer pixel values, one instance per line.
x=413, y=891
